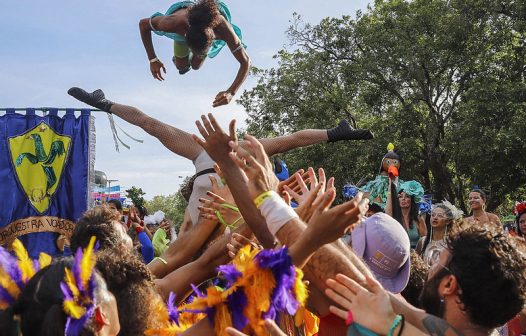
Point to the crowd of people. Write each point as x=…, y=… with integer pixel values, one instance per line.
x=263, y=252
x=266, y=256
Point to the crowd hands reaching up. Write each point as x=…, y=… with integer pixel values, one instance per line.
x=473, y=283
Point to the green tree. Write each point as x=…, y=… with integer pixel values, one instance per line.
x=173, y=205
x=443, y=80
x=136, y=196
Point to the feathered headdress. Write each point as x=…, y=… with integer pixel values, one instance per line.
x=457, y=213
x=15, y=272
x=260, y=284
x=79, y=289
x=520, y=208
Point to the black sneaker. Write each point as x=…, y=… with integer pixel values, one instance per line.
x=344, y=131
x=95, y=99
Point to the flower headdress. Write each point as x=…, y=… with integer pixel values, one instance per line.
x=426, y=204
x=520, y=208
x=412, y=188
x=457, y=213
x=15, y=272
x=79, y=289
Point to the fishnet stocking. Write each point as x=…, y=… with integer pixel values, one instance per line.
x=176, y=140
x=303, y=138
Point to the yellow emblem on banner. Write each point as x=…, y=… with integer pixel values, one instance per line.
x=38, y=157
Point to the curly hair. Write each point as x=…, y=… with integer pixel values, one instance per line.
x=490, y=268
x=130, y=281
x=202, y=18
x=417, y=279
x=96, y=222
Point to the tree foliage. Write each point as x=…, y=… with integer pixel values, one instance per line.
x=172, y=205
x=136, y=196
x=443, y=80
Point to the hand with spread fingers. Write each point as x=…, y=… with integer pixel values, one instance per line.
x=328, y=225
x=215, y=141
x=256, y=167
x=218, y=209
x=370, y=308
x=292, y=181
x=270, y=325
x=237, y=242
x=309, y=196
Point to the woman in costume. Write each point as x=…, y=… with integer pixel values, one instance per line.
x=199, y=30
x=182, y=143
x=407, y=213
x=443, y=218
x=409, y=195
x=479, y=216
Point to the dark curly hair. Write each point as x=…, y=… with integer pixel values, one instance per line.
x=130, y=281
x=490, y=268
x=202, y=18
x=96, y=222
x=417, y=279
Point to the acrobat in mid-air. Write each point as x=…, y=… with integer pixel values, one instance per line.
x=199, y=29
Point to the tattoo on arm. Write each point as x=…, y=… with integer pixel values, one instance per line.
x=438, y=327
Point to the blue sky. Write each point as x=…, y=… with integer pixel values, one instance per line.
x=49, y=46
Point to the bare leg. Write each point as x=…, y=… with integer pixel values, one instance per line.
x=176, y=140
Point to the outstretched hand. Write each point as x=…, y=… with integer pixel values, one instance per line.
x=328, y=225
x=156, y=68
x=256, y=167
x=308, y=197
x=292, y=182
x=222, y=98
x=372, y=309
x=221, y=190
x=237, y=242
x=211, y=208
x=215, y=141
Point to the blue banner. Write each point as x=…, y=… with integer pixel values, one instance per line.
x=44, y=176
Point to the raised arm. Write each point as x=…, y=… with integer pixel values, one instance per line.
x=183, y=249
x=226, y=32
x=145, y=27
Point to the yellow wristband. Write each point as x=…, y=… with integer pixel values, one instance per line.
x=263, y=197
